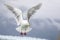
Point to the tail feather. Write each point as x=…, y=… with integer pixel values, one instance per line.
x=27, y=30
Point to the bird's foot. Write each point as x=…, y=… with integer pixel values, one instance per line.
x=22, y=33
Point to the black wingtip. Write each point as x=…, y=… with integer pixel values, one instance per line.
x=40, y=4
x=6, y=5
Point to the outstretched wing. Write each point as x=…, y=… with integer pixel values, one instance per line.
x=16, y=12
x=32, y=10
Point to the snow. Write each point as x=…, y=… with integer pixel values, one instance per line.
x=5, y=37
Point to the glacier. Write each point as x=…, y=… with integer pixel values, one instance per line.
x=7, y=37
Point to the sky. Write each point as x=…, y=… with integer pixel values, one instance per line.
x=50, y=8
x=45, y=22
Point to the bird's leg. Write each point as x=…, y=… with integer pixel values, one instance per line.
x=25, y=33
x=21, y=33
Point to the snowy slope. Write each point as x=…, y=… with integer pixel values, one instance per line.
x=4, y=37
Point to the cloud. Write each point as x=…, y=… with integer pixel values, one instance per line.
x=50, y=8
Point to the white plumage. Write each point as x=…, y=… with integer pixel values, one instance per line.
x=23, y=25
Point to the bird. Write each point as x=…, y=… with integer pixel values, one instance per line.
x=23, y=25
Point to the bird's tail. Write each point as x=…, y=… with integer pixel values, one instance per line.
x=19, y=29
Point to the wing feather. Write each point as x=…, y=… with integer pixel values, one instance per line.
x=16, y=12
x=32, y=10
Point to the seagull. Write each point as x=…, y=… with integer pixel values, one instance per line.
x=23, y=24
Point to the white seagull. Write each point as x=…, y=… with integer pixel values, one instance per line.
x=23, y=25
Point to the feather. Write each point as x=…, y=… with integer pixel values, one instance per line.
x=32, y=10
x=16, y=12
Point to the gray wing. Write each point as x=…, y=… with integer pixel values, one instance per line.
x=32, y=10
x=16, y=12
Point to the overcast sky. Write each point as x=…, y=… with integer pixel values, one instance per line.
x=45, y=23
x=50, y=8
